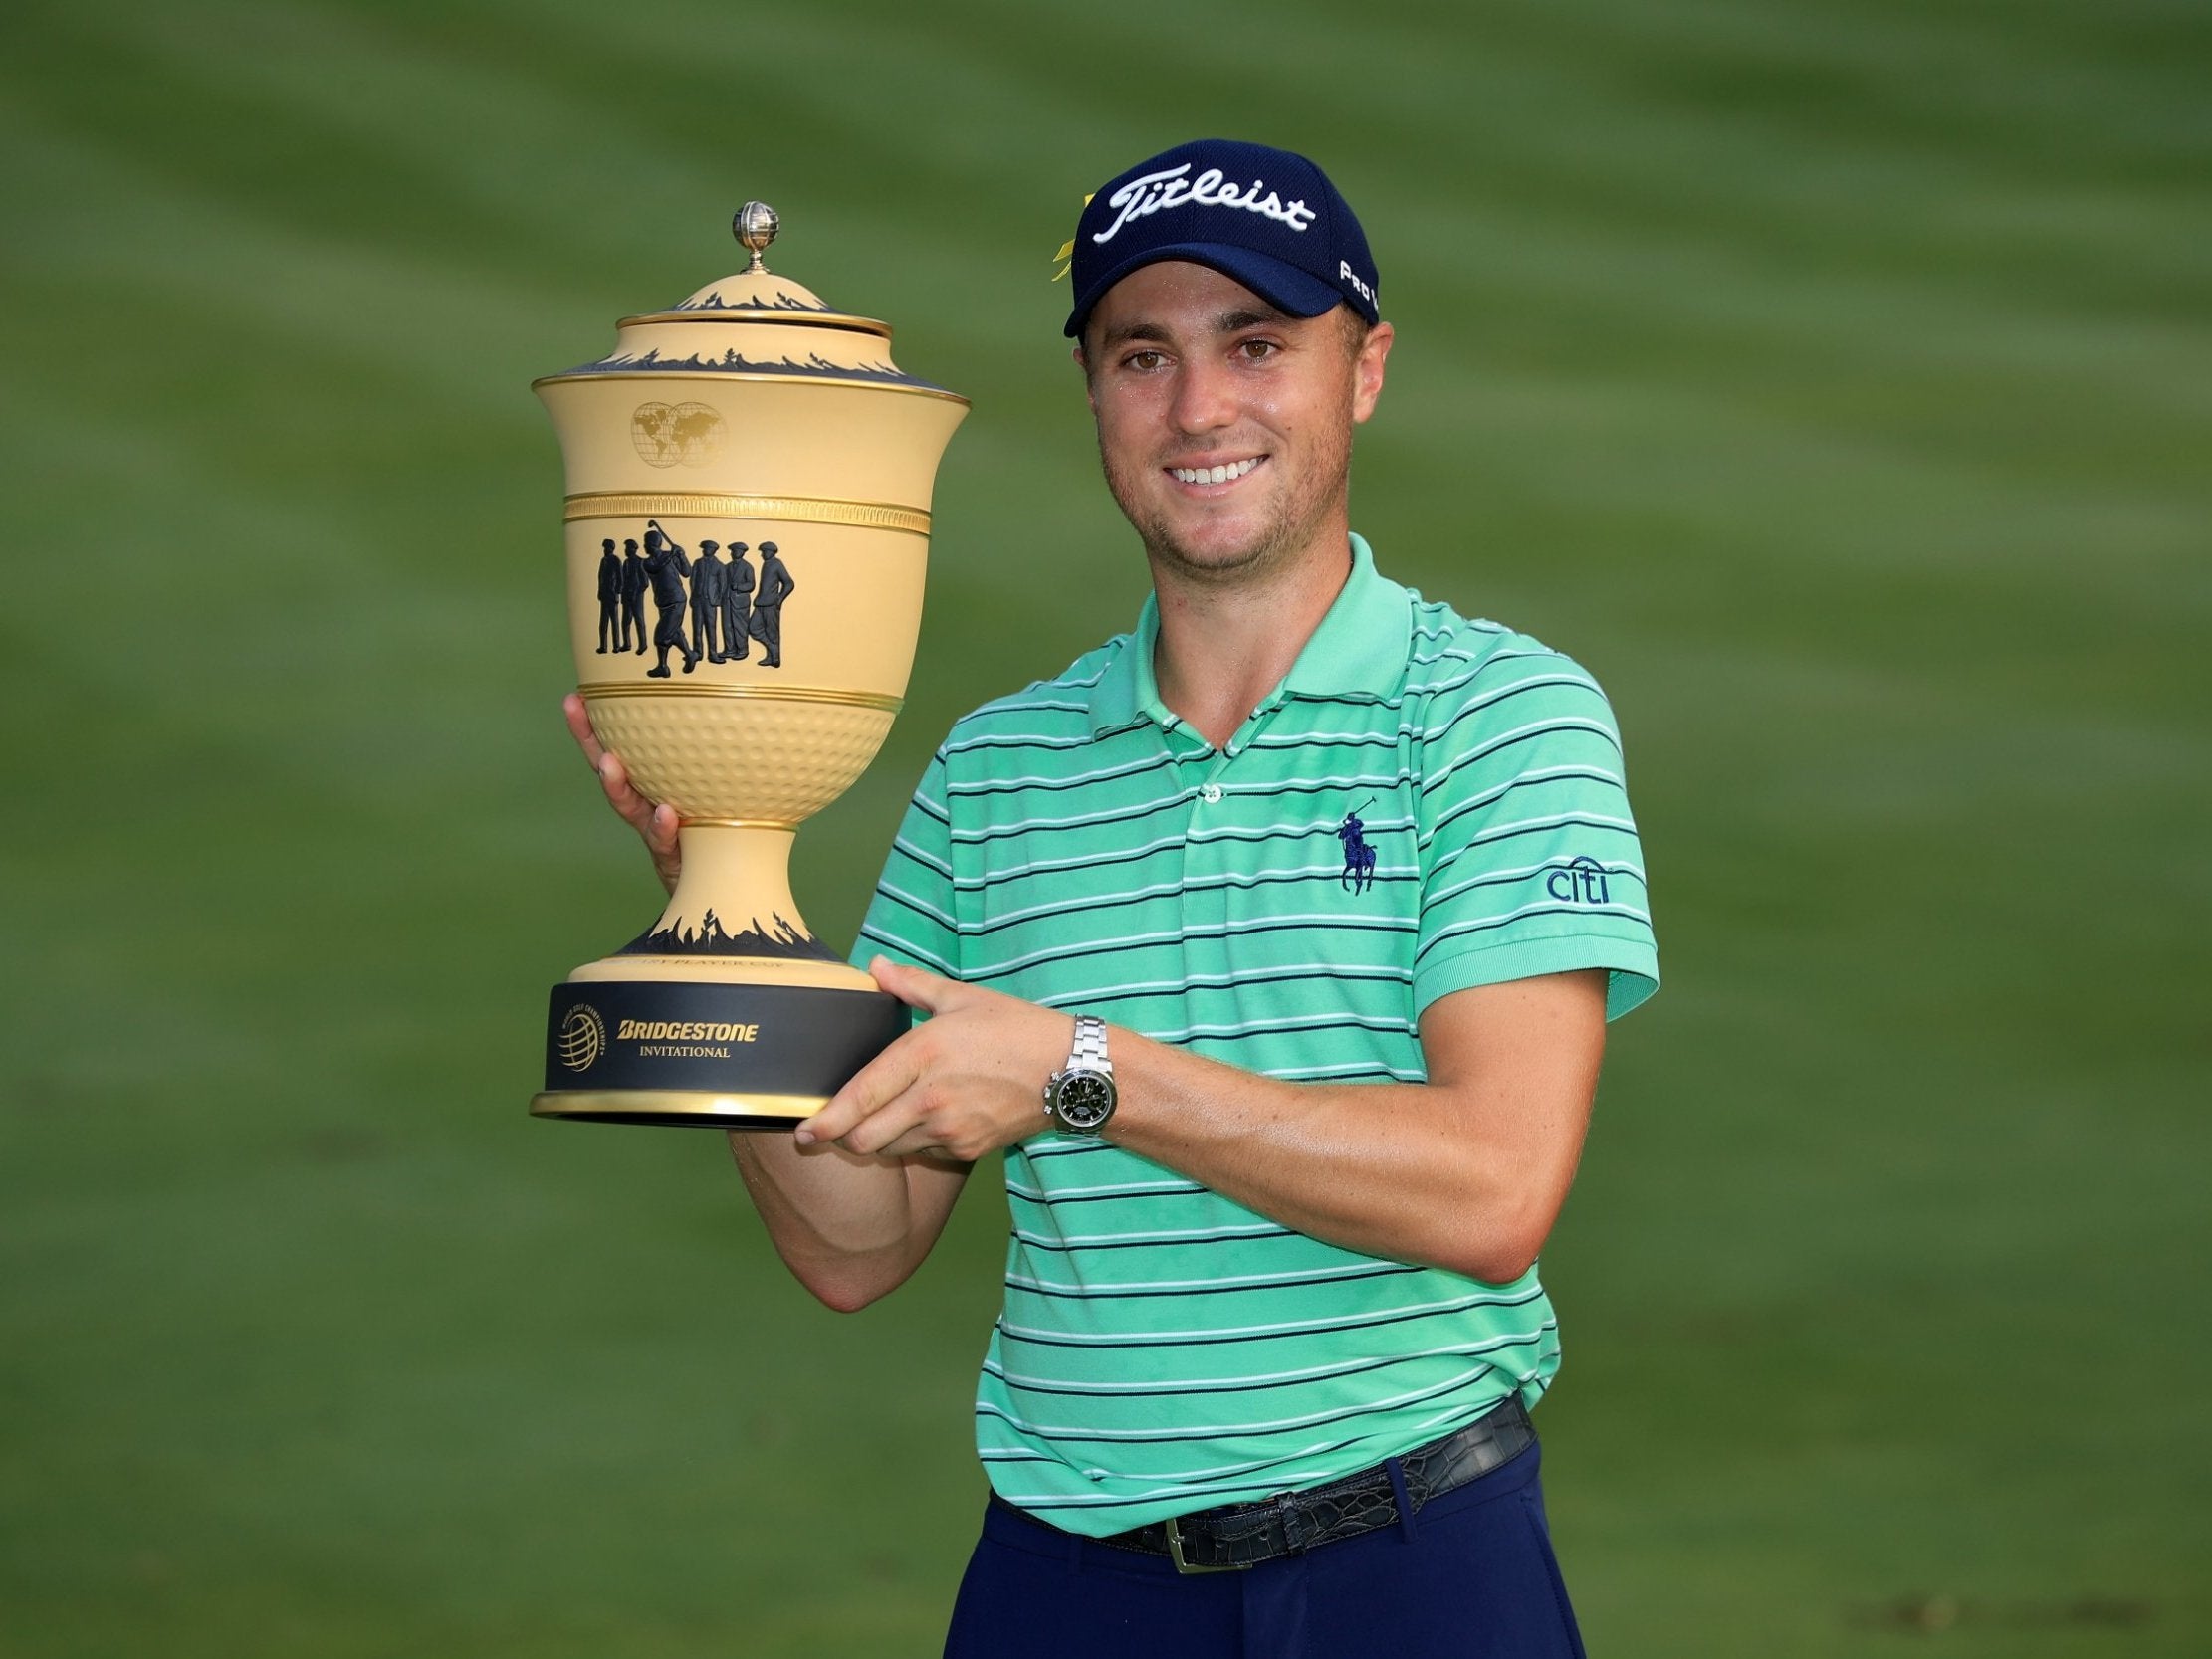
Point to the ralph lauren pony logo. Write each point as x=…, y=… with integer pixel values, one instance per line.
x=1359, y=857
x=1580, y=882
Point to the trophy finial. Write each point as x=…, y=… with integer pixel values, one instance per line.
x=754, y=226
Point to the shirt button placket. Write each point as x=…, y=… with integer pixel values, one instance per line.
x=1207, y=858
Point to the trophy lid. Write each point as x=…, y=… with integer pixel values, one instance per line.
x=754, y=324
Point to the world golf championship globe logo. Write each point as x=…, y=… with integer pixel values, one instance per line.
x=673, y=434
x=582, y=1038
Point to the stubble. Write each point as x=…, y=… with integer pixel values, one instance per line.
x=1303, y=499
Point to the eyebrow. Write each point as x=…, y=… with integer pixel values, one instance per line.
x=1228, y=323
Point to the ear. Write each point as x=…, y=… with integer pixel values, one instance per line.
x=1367, y=369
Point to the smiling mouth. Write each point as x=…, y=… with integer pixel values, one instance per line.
x=1228, y=472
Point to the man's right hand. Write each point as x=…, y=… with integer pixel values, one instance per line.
x=656, y=825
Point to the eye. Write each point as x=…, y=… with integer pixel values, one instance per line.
x=1144, y=362
x=1258, y=350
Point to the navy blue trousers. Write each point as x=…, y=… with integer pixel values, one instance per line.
x=1471, y=1576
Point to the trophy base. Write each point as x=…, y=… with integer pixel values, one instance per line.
x=716, y=1054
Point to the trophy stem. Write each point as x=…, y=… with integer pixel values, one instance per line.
x=726, y=1013
x=734, y=897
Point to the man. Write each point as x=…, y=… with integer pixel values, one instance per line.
x=667, y=565
x=1272, y=1315
x=767, y=605
x=610, y=598
x=634, y=583
x=737, y=604
x=709, y=579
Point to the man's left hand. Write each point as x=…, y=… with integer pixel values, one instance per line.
x=968, y=1081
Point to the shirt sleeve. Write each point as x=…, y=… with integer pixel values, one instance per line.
x=910, y=920
x=1530, y=861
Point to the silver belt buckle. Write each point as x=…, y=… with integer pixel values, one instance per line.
x=1187, y=1567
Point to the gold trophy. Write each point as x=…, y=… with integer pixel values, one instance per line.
x=749, y=484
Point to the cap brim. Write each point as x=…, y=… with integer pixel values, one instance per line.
x=1293, y=291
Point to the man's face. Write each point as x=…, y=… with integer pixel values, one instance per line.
x=1191, y=371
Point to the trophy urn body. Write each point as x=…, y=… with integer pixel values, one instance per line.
x=749, y=479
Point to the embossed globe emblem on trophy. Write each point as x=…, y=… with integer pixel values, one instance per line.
x=749, y=484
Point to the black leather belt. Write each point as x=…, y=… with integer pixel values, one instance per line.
x=1245, y=1535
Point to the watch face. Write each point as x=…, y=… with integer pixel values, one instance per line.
x=1085, y=1099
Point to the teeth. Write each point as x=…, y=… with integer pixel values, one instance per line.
x=1215, y=474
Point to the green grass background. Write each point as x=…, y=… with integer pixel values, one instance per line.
x=1834, y=379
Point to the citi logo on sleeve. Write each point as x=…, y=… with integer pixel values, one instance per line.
x=1156, y=193
x=1581, y=881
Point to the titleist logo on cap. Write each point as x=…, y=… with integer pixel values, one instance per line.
x=1156, y=193
x=1266, y=218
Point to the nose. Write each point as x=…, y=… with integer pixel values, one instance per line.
x=1204, y=396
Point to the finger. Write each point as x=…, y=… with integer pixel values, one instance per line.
x=615, y=780
x=917, y=987
x=921, y=1143
x=614, y=777
x=895, y=1121
x=658, y=824
x=882, y=1080
x=868, y=1094
x=660, y=832
x=580, y=727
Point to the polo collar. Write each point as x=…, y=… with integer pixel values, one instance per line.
x=1358, y=650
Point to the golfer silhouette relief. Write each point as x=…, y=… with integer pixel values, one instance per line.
x=709, y=581
x=610, y=598
x=667, y=565
x=737, y=605
x=1359, y=857
x=634, y=583
x=767, y=605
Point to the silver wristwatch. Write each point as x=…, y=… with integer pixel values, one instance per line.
x=1081, y=1098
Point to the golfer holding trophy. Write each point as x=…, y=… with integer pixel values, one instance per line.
x=1271, y=944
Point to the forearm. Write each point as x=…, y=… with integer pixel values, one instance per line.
x=1407, y=1171
x=1466, y=1171
x=849, y=1227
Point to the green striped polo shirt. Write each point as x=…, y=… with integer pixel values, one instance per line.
x=1424, y=804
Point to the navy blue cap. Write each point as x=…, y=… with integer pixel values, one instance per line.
x=1267, y=217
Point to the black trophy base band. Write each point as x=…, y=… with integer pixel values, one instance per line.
x=701, y=1052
